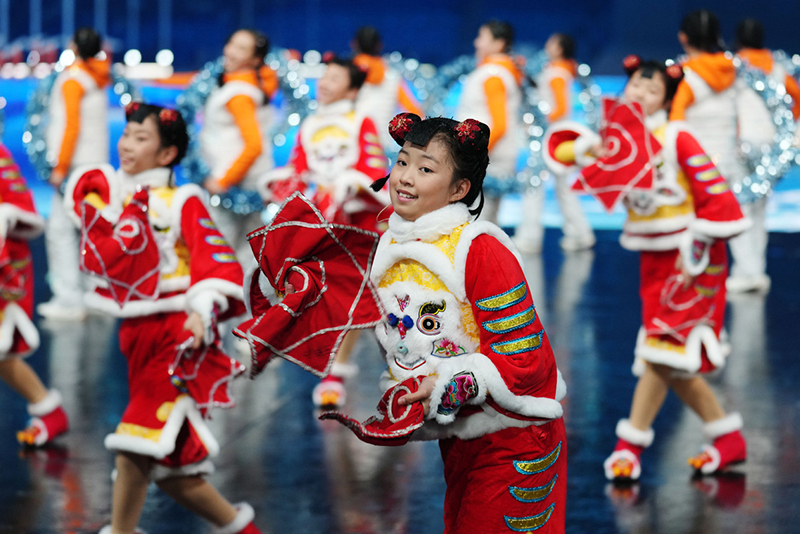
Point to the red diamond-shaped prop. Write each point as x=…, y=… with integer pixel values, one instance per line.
x=319, y=272
x=629, y=162
x=124, y=255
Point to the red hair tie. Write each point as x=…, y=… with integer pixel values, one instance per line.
x=131, y=108
x=401, y=124
x=167, y=116
x=674, y=71
x=467, y=129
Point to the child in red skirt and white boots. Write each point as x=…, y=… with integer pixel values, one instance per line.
x=19, y=222
x=166, y=270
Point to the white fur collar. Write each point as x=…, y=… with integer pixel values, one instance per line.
x=655, y=120
x=158, y=177
x=430, y=226
x=340, y=107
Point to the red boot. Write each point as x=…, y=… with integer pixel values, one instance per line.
x=48, y=421
x=242, y=523
x=624, y=463
x=728, y=448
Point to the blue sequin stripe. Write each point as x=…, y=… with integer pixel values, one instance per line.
x=527, y=524
x=532, y=467
x=520, y=345
x=513, y=296
x=529, y=495
x=512, y=322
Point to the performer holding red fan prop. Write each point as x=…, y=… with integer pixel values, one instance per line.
x=680, y=211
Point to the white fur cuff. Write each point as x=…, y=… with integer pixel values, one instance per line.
x=46, y=405
x=634, y=436
x=244, y=516
x=582, y=146
x=344, y=370
x=726, y=425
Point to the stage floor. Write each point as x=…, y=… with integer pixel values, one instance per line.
x=305, y=476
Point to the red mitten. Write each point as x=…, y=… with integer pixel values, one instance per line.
x=398, y=422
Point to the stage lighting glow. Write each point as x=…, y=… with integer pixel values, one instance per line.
x=165, y=57
x=312, y=57
x=132, y=57
x=67, y=57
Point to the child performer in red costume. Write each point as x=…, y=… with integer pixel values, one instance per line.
x=338, y=153
x=461, y=318
x=680, y=226
x=168, y=272
x=19, y=222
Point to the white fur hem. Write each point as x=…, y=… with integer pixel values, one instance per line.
x=645, y=242
x=244, y=516
x=184, y=409
x=135, y=308
x=219, y=286
x=15, y=319
x=716, y=459
x=474, y=426
x=634, y=436
x=720, y=229
x=690, y=361
x=726, y=425
x=46, y=405
x=162, y=472
x=107, y=530
x=490, y=382
x=21, y=224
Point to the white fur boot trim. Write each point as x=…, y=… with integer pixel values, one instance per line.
x=634, y=436
x=720, y=427
x=712, y=452
x=344, y=370
x=244, y=516
x=46, y=405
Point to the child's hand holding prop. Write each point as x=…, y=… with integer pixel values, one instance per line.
x=327, y=266
x=629, y=160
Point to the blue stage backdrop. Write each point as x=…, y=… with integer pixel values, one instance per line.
x=436, y=32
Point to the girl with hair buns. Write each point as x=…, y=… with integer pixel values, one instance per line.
x=164, y=268
x=77, y=135
x=462, y=325
x=679, y=226
x=235, y=138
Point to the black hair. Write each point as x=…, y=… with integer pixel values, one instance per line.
x=87, y=41
x=501, y=29
x=368, y=41
x=466, y=143
x=357, y=75
x=750, y=34
x=260, y=50
x=702, y=31
x=671, y=74
x=171, y=126
x=567, y=44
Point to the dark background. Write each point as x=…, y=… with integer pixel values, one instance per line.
x=434, y=31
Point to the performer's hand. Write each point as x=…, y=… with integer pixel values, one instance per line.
x=56, y=178
x=194, y=324
x=598, y=151
x=213, y=186
x=423, y=394
x=687, y=278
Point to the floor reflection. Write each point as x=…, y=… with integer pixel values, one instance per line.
x=305, y=476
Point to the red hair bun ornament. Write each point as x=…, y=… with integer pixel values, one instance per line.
x=401, y=124
x=631, y=63
x=675, y=72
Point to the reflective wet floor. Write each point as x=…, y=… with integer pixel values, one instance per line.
x=305, y=476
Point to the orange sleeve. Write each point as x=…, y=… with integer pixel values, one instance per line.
x=407, y=100
x=73, y=93
x=559, y=88
x=496, y=98
x=269, y=81
x=244, y=111
x=684, y=97
x=794, y=91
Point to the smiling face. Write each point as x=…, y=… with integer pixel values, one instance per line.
x=140, y=147
x=485, y=44
x=649, y=92
x=239, y=52
x=422, y=180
